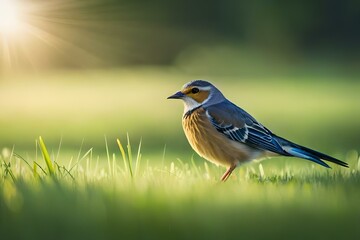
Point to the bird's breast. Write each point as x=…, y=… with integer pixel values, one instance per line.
x=211, y=144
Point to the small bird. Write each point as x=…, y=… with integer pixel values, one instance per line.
x=227, y=135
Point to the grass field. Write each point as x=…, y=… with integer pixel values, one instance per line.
x=112, y=198
x=93, y=190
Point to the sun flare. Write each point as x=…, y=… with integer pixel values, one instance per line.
x=23, y=31
x=39, y=34
x=9, y=17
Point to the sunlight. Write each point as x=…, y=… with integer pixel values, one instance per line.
x=51, y=29
x=9, y=18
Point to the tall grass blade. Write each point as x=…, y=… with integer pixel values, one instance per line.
x=66, y=172
x=80, y=159
x=46, y=156
x=59, y=148
x=123, y=155
x=23, y=159
x=113, y=165
x=8, y=171
x=81, y=146
x=70, y=162
x=36, y=150
x=35, y=173
x=129, y=152
x=163, y=160
x=138, y=160
x=42, y=169
x=108, y=156
x=262, y=172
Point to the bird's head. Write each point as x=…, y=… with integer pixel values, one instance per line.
x=198, y=93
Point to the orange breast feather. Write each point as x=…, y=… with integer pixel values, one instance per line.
x=211, y=144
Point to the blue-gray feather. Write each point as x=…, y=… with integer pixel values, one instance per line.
x=238, y=125
x=197, y=83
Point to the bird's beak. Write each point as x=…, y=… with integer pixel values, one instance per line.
x=177, y=95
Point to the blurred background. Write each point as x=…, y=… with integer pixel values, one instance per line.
x=79, y=70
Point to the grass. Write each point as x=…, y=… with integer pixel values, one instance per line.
x=118, y=196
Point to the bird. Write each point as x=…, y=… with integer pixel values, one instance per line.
x=227, y=135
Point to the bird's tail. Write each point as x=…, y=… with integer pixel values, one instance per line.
x=299, y=151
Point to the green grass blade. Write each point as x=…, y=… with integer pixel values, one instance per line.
x=23, y=159
x=46, y=156
x=113, y=165
x=38, y=165
x=35, y=173
x=8, y=171
x=67, y=172
x=108, y=156
x=138, y=159
x=79, y=159
x=129, y=155
x=123, y=155
x=59, y=148
x=126, y=158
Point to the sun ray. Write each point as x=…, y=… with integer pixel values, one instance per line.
x=19, y=29
x=69, y=33
x=6, y=59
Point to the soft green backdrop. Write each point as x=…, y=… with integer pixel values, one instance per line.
x=318, y=111
x=76, y=71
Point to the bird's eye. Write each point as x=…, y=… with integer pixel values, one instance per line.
x=194, y=90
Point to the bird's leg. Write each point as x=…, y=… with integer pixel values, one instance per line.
x=228, y=173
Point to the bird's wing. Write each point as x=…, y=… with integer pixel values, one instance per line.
x=238, y=125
